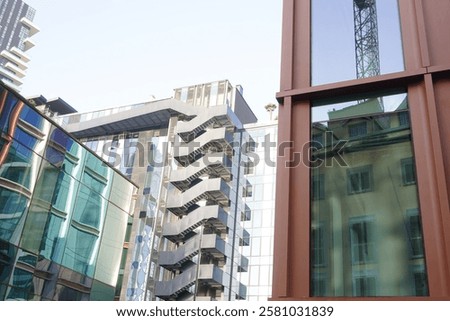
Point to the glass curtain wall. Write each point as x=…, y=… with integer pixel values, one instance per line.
x=63, y=212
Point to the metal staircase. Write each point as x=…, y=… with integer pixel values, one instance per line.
x=199, y=199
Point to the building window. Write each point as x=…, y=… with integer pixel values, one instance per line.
x=359, y=180
x=420, y=282
x=318, y=187
x=318, y=285
x=414, y=227
x=318, y=139
x=408, y=171
x=249, y=168
x=362, y=240
x=365, y=284
x=317, y=246
x=403, y=119
x=247, y=191
x=357, y=130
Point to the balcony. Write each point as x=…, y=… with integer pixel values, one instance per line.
x=11, y=76
x=23, y=56
x=13, y=68
x=28, y=23
x=28, y=43
x=9, y=56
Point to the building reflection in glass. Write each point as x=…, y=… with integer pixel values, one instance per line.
x=366, y=236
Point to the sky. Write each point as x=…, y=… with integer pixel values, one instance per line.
x=97, y=54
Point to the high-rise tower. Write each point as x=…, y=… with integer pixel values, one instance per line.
x=16, y=28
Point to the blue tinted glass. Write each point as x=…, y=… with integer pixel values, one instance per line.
x=59, y=138
x=32, y=117
x=20, y=164
x=7, y=109
x=25, y=138
x=54, y=156
x=12, y=207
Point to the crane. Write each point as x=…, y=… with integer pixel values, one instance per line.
x=366, y=38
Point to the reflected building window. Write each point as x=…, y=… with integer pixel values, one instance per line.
x=408, y=172
x=360, y=180
x=357, y=130
x=365, y=284
x=318, y=246
x=362, y=240
x=414, y=227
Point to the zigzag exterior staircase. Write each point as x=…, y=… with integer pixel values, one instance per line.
x=203, y=150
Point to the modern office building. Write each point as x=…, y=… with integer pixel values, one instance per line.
x=16, y=30
x=185, y=154
x=63, y=211
x=261, y=173
x=362, y=200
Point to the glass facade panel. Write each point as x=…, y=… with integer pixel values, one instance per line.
x=365, y=238
x=20, y=165
x=39, y=209
x=80, y=252
x=13, y=206
x=54, y=196
x=111, y=245
x=354, y=39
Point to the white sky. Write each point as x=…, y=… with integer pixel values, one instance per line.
x=104, y=53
